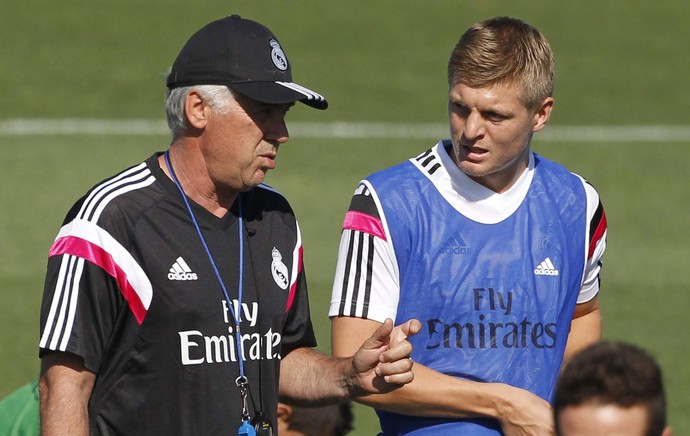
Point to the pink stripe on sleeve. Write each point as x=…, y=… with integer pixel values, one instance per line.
x=364, y=223
x=97, y=255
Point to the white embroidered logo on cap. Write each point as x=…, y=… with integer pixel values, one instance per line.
x=277, y=55
x=279, y=270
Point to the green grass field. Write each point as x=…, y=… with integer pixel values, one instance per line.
x=619, y=63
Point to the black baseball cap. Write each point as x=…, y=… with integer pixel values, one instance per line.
x=243, y=55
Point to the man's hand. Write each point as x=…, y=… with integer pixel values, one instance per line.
x=383, y=362
x=525, y=414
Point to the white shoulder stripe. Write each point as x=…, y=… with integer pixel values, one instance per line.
x=58, y=328
x=122, y=190
x=296, y=257
x=94, y=234
x=99, y=196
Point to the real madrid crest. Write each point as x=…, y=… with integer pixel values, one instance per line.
x=278, y=56
x=279, y=270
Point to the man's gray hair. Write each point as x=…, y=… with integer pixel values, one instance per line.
x=219, y=97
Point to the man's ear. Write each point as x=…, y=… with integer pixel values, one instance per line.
x=284, y=412
x=542, y=114
x=195, y=110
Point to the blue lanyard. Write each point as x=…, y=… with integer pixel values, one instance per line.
x=242, y=379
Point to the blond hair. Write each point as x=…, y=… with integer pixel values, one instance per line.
x=504, y=51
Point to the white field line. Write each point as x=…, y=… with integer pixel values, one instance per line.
x=354, y=130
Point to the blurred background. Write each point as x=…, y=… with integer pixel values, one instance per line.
x=82, y=86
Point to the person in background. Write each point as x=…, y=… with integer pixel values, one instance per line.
x=610, y=389
x=19, y=412
x=332, y=420
x=19, y=416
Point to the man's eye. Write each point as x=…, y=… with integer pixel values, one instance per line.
x=493, y=116
x=460, y=109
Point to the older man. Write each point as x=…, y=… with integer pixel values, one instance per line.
x=175, y=299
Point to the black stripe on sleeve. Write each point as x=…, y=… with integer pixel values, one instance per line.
x=596, y=221
x=365, y=204
x=346, y=278
x=367, y=289
x=358, y=274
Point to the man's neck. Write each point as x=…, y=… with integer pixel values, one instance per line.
x=195, y=181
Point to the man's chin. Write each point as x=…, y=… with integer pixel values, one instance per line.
x=472, y=170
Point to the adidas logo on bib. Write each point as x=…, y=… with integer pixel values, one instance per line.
x=546, y=268
x=181, y=271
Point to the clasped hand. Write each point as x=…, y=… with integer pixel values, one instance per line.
x=383, y=362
